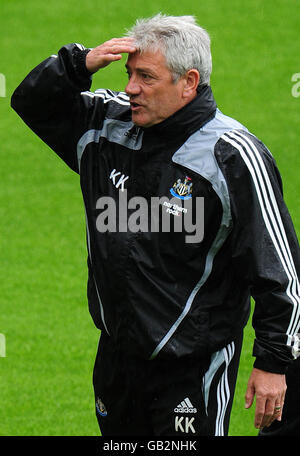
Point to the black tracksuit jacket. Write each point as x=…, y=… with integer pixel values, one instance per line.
x=155, y=293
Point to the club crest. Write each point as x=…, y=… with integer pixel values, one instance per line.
x=100, y=407
x=182, y=190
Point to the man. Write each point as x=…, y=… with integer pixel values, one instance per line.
x=171, y=299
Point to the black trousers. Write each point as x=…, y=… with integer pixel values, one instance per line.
x=180, y=397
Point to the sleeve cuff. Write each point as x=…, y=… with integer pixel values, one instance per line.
x=269, y=366
x=80, y=59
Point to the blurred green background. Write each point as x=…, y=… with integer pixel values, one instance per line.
x=46, y=375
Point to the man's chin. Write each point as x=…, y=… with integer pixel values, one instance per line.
x=140, y=121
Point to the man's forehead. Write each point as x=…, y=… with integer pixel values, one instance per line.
x=146, y=59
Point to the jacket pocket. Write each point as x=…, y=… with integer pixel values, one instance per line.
x=192, y=336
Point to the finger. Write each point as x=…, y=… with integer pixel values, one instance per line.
x=127, y=39
x=108, y=58
x=249, y=396
x=259, y=411
x=279, y=406
x=120, y=42
x=122, y=38
x=276, y=415
x=278, y=412
x=110, y=45
x=118, y=49
x=123, y=48
x=269, y=414
x=282, y=399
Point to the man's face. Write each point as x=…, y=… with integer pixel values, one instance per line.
x=153, y=95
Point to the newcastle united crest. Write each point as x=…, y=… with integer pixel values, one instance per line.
x=100, y=407
x=182, y=190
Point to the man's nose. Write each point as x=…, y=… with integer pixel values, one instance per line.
x=132, y=87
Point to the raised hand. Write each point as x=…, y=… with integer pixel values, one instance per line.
x=109, y=52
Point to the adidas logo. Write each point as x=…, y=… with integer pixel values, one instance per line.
x=185, y=407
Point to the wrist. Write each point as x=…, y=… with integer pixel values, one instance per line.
x=79, y=56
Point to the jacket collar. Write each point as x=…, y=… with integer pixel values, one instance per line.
x=189, y=118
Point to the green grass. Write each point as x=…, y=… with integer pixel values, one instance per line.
x=45, y=378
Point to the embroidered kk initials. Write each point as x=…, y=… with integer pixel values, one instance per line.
x=120, y=181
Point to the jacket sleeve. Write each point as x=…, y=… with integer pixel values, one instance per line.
x=265, y=250
x=50, y=101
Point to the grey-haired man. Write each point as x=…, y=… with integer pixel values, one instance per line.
x=171, y=312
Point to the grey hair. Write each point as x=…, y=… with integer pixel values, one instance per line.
x=183, y=42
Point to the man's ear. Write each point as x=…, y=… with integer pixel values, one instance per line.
x=192, y=79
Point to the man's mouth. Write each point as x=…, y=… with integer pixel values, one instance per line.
x=135, y=106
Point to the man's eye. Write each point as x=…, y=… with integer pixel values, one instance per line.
x=146, y=76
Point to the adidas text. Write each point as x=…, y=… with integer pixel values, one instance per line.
x=185, y=410
x=185, y=407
